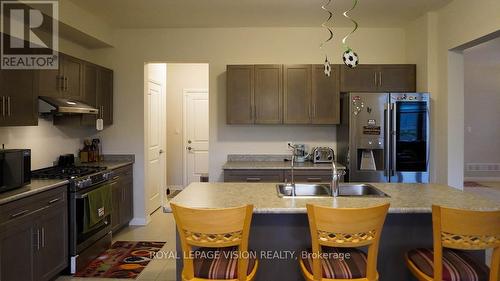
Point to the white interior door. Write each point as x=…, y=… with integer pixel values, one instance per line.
x=155, y=149
x=195, y=135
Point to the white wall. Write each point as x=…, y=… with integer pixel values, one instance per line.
x=482, y=100
x=180, y=76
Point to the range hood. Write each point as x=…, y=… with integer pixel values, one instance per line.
x=61, y=105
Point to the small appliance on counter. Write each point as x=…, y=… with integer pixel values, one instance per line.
x=15, y=168
x=323, y=155
x=299, y=150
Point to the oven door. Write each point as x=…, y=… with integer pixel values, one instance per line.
x=80, y=238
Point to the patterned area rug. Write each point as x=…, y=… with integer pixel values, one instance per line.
x=125, y=259
x=473, y=184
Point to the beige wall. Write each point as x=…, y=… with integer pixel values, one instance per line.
x=482, y=100
x=450, y=27
x=219, y=47
x=180, y=76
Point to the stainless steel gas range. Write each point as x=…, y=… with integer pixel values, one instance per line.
x=85, y=243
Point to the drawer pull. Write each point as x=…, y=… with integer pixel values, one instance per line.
x=253, y=179
x=54, y=200
x=313, y=179
x=19, y=214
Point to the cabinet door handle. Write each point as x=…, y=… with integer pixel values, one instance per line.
x=380, y=78
x=313, y=179
x=375, y=78
x=9, y=107
x=60, y=80
x=102, y=111
x=54, y=201
x=38, y=239
x=19, y=214
x=3, y=106
x=65, y=83
x=43, y=237
x=253, y=179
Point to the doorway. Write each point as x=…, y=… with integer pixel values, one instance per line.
x=187, y=124
x=481, y=113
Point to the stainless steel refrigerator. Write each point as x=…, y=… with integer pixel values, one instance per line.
x=384, y=137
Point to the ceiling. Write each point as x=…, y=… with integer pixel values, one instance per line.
x=253, y=13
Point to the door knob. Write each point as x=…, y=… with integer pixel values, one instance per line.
x=189, y=148
x=161, y=151
x=189, y=141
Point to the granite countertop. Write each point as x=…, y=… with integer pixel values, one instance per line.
x=35, y=187
x=41, y=185
x=111, y=165
x=277, y=165
x=404, y=198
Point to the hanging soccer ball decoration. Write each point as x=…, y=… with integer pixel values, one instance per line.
x=327, y=68
x=350, y=58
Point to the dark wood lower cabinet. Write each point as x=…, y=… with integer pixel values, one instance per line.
x=277, y=176
x=34, y=241
x=53, y=227
x=122, y=193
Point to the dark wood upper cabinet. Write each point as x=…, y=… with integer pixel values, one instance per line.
x=398, y=78
x=240, y=92
x=18, y=98
x=90, y=84
x=325, y=95
x=363, y=78
x=378, y=78
x=72, y=70
x=50, y=82
x=105, y=95
x=67, y=81
x=297, y=94
x=268, y=95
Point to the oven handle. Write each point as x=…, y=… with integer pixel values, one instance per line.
x=86, y=194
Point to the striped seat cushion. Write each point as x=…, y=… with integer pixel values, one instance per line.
x=457, y=265
x=338, y=263
x=219, y=263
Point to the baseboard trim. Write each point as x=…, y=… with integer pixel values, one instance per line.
x=140, y=221
x=481, y=178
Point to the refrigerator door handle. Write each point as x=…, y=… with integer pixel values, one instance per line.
x=387, y=141
x=394, y=139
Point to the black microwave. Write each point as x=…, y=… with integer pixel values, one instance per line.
x=15, y=168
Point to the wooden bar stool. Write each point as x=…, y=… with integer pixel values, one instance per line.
x=220, y=238
x=335, y=233
x=455, y=230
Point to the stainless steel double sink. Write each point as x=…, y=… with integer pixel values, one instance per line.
x=323, y=190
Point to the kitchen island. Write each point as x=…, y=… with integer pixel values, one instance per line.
x=280, y=224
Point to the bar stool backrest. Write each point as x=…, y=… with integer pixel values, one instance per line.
x=213, y=228
x=353, y=227
x=465, y=230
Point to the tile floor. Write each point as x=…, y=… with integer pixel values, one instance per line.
x=161, y=228
x=491, y=190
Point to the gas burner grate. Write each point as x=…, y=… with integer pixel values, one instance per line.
x=69, y=172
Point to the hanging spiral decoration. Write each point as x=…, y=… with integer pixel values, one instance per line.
x=325, y=25
x=349, y=57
